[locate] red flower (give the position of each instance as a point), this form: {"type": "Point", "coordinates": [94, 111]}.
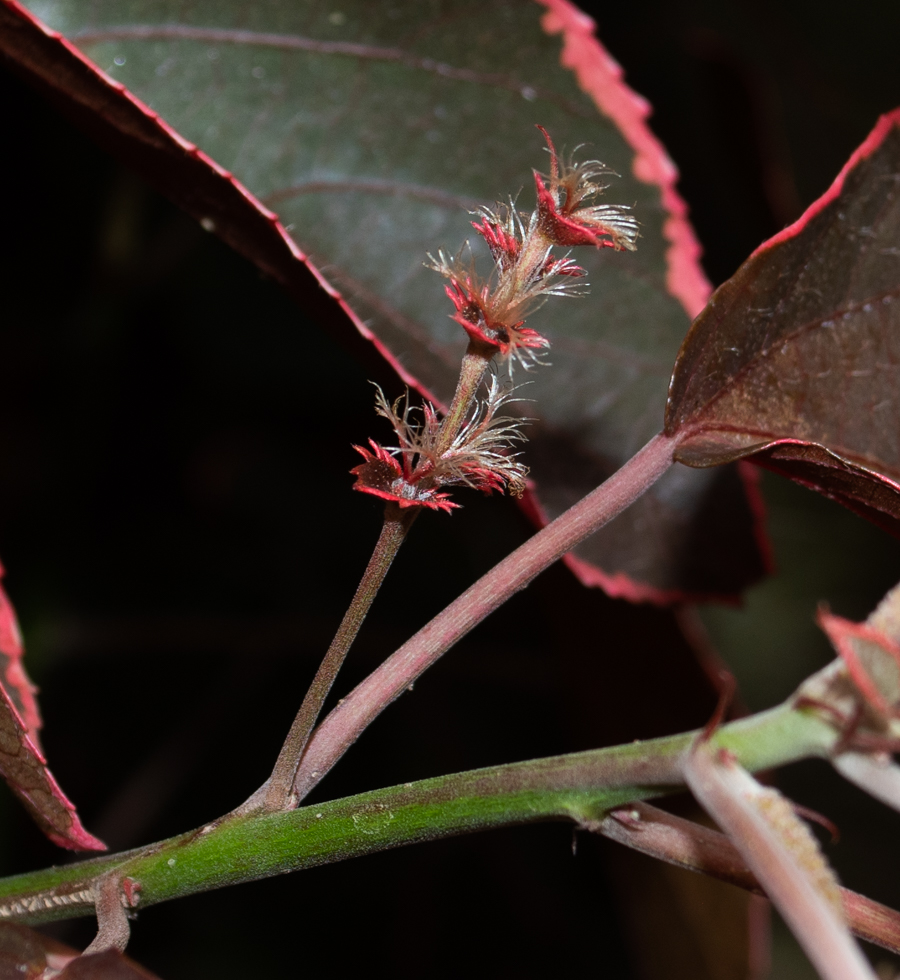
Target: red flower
{"type": "Point", "coordinates": [475, 314]}
{"type": "Point", "coordinates": [413, 473]}
{"type": "Point", "coordinates": [383, 476]}
{"type": "Point", "coordinates": [503, 235]}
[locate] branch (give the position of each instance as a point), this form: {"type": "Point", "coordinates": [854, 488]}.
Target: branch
{"type": "Point", "coordinates": [349, 719]}
{"type": "Point", "coordinates": [691, 846]}
{"type": "Point", "coordinates": [248, 846]}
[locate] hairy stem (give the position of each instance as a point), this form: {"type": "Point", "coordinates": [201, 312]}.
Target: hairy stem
{"type": "Point", "coordinates": [397, 521]}
{"type": "Point", "coordinates": [471, 373]}
{"type": "Point", "coordinates": [782, 856]}
{"type": "Point", "coordinates": [247, 846]}
{"type": "Point", "coordinates": [350, 718]}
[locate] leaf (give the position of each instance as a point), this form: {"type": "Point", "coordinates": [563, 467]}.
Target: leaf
{"type": "Point", "coordinates": [13, 679]}
{"type": "Point", "coordinates": [372, 131]}
{"type": "Point", "coordinates": [111, 965]}
{"type": "Point", "coordinates": [25, 954]}
{"type": "Point", "coordinates": [795, 362]}
{"type": "Point", "coordinates": [22, 763]}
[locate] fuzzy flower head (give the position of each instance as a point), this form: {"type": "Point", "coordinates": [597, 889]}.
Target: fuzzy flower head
{"type": "Point", "coordinates": [492, 317]}
{"type": "Point", "coordinates": [564, 217]}
{"type": "Point", "coordinates": [413, 472]}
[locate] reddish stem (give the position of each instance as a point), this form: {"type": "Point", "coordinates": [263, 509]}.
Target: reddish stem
{"type": "Point", "coordinates": [688, 845]}
{"type": "Point", "coordinates": [474, 366]}
{"type": "Point", "coordinates": [350, 718]}
{"type": "Point", "coordinates": [397, 522]}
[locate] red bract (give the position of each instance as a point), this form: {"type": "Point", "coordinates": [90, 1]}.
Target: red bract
{"type": "Point", "coordinates": [564, 222]}
{"type": "Point", "coordinates": [383, 476]}
{"type": "Point", "coordinates": [425, 459]}
{"type": "Point", "coordinates": [501, 237]}
{"type": "Point", "coordinates": [475, 314]}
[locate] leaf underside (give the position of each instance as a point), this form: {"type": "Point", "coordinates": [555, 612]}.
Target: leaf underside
{"type": "Point", "coordinates": [371, 132]}
{"type": "Point", "coordinates": [795, 363]}
{"type": "Point", "coordinates": [22, 763]}
{"type": "Point", "coordinates": [13, 679]}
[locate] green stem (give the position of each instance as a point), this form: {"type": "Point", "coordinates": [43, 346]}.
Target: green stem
{"type": "Point", "coordinates": [245, 847]}
{"type": "Point", "coordinates": [279, 788]}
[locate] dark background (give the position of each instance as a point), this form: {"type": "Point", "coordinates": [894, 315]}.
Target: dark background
{"type": "Point", "coordinates": [180, 539]}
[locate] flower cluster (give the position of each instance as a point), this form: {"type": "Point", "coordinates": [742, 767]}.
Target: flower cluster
{"type": "Point", "coordinates": [470, 446]}
{"type": "Point", "coordinates": [492, 311]}
{"type": "Point", "coordinates": [413, 472]}
{"type": "Point", "coordinates": [493, 317]}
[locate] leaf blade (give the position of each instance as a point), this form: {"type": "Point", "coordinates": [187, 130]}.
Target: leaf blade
{"type": "Point", "coordinates": [795, 361]}
{"type": "Point", "coordinates": [13, 679]}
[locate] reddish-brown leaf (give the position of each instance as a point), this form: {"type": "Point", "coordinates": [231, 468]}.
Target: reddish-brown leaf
{"type": "Point", "coordinates": [22, 763]}
{"type": "Point", "coordinates": [13, 679]}
{"type": "Point", "coordinates": [795, 362]}
{"type": "Point", "coordinates": [25, 769]}
{"type": "Point", "coordinates": [359, 126]}
{"type": "Point", "coordinates": [25, 954]}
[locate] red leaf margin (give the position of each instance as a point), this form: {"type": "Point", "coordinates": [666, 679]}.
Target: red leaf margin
{"type": "Point", "coordinates": [22, 764]}
{"type": "Point", "coordinates": [12, 672]}
{"type": "Point", "coordinates": [868, 146]}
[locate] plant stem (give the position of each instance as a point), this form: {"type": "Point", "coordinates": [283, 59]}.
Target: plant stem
{"type": "Point", "coordinates": [691, 846]}
{"type": "Point", "coordinates": [474, 366]}
{"type": "Point", "coordinates": [278, 793]}
{"type": "Point", "coordinates": [350, 718]}
{"type": "Point", "coordinates": [244, 847]}
{"type": "Point", "coordinates": [397, 521]}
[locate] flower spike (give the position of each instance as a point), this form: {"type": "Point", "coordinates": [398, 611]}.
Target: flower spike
{"type": "Point", "coordinates": [492, 311]}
